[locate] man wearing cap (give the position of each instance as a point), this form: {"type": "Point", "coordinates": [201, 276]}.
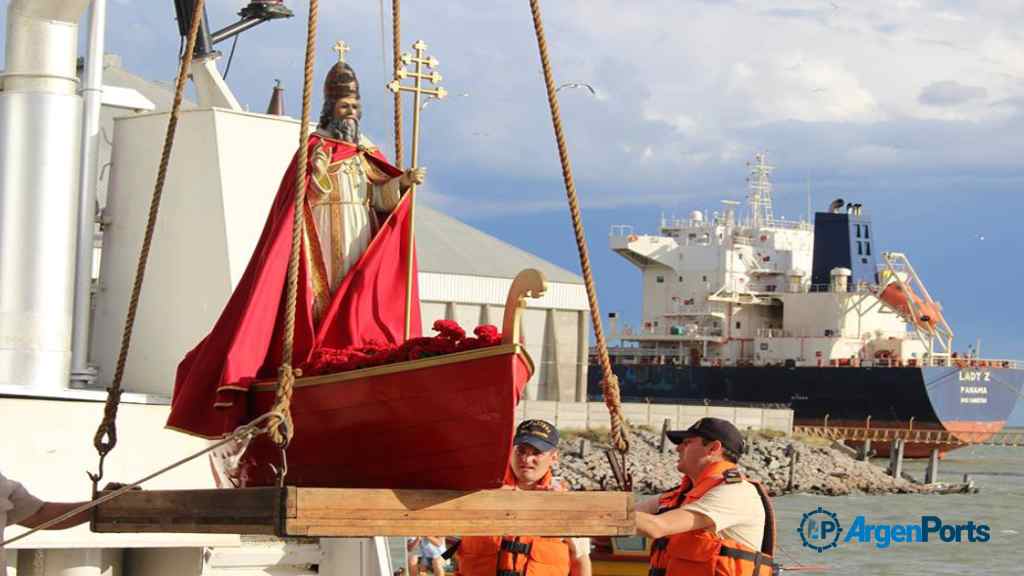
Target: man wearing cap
{"type": "Point", "coordinates": [535, 451]}
{"type": "Point", "coordinates": [716, 521]}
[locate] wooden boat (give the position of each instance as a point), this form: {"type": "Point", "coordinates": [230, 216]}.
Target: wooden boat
{"type": "Point", "coordinates": [444, 422]}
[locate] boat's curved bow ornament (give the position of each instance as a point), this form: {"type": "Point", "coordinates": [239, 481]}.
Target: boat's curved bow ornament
{"type": "Point", "coordinates": [530, 283]}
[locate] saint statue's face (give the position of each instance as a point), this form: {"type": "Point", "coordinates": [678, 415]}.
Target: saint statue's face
{"type": "Point", "coordinates": [347, 107]}
{"type": "Point", "coordinates": [345, 123]}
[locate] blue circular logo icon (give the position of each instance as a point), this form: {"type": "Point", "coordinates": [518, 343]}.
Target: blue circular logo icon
{"type": "Point", "coordinates": [820, 529]}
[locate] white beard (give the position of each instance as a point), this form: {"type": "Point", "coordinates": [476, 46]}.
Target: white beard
{"type": "Point", "coordinates": [346, 129]}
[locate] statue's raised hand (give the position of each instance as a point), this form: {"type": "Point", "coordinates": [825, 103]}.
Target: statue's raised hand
{"type": "Point", "coordinates": [413, 176]}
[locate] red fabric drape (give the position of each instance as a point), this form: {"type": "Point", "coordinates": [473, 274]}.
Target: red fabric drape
{"type": "Point", "coordinates": [245, 343]}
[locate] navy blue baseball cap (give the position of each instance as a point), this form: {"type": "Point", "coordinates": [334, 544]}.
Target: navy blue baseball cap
{"type": "Point", "coordinates": [540, 434]}
{"type": "Point", "coordinates": [711, 429]}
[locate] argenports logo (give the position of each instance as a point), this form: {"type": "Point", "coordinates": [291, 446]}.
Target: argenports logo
{"type": "Point", "coordinates": [821, 530]}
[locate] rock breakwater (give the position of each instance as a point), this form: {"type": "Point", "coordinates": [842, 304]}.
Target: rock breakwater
{"type": "Point", "coordinates": [819, 469]}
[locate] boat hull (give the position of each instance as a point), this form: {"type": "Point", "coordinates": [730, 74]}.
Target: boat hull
{"type": "Point", "coordinates": [971, 403]}
{"type": "Point", "coordinates": [444, 422]}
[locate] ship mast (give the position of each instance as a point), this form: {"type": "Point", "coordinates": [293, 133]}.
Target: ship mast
{"type": "Point", "coordinates": [760, 189]}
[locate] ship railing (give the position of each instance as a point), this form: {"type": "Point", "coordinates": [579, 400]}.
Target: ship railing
{"type": "Point", "coordinates": [860, 288]}
{"type": "Point", "coordinates": [787, 224]}
{"type": "Point", "coordinates": [968, 362]}
{"type": "Point", "coordinates": [774, 333]}
{"type": "Point", "coordinates": [621, 230]}
{"type": "Point", "coordinates": [912, 435]}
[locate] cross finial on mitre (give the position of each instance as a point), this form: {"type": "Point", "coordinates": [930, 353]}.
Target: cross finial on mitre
{"type": "Point", "coordinates": [341, 48]}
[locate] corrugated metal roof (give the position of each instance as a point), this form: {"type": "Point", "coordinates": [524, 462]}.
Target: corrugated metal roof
{"type": "Point", "coordinates": [446, 245]}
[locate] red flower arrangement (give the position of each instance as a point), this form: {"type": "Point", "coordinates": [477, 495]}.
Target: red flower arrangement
{"type": "Point", "coordinates": [450, 338]}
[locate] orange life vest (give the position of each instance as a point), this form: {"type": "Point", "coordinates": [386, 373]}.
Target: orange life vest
{"type": "Point", "coordinates": [515, 555]}
{"type": "Point", "coordinates": [703, 552]}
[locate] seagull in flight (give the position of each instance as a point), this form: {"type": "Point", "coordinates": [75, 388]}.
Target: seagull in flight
{"type": "Point", "coordinates": [578, 85]}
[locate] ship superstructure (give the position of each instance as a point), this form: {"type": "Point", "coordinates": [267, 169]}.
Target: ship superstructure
{"type": "Point", "coordinates": [732, 289]}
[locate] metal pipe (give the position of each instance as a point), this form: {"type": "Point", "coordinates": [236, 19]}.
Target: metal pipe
{"type": "Point", "coordinates": [42, 41]}
{"type": "Point", "coordinates": [233, 30]}
{"type": "Point", "coordinates": [92, 94]}
{"type": "Point", "coordinates": [40, 119]}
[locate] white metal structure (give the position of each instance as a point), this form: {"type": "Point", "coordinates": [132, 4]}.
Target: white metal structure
{"type": "Point", "coordinates": [725, 289]}
{"type": "Point", "coordinates": [40, 116]}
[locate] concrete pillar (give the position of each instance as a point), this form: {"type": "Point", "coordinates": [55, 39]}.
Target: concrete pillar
{"type": "Point", "coordinates": [931, 474]}
{"type": "Point", "coordinates": [582, 354]}
{"type": "Point", "coordinates": [547, 387]}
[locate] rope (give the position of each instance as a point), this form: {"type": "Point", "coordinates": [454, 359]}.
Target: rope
{"type": "Point", "coordinates": [281, 430]}
{"type": "Point", "coordinates": [396, 37]}
{"type": "Point", "coordinates": [609, 382]}
{"type": "Point", "coordinates": [251, 430]}
{"type": "Point", "coordinates": [106, 435]}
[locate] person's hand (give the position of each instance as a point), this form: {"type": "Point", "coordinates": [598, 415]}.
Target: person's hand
{"type": "Point", "coordinates": [413, 176]}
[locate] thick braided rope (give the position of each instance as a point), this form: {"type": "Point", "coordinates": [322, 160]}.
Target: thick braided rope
{"type": "Point", "coordinates": [108, 427]}
{"type": "Point", "coordinates": [396, 38]}
{"type": "Point", "coordinates": [609, 382]}
{"type": "Point", "coordinates": [286, 374]}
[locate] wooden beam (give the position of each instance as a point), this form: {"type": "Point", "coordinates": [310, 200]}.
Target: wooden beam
{"type": "Point", "coordinates": [352, 512]}
{"type": "Point", "coordinates": [241, 511]}
{"type": "Point", "coordinates": [369, 512]}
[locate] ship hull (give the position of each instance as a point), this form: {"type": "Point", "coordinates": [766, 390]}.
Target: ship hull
{"type": "Point", "coordinates": [970, 403]}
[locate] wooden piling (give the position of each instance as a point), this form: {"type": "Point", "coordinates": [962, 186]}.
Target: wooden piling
{"type": "Point", "coordinates": [896, 458]}
{"type": "Point", "coordinates": [794, 459]}
{"type": "Point", "coordinates": [931, 474]}
{"type": "Point", "coordinates": [584, 447]}
{"type": "Point", "coordinates": [664, 445]}
{"type": "Point", "coordinates": [865, 451]}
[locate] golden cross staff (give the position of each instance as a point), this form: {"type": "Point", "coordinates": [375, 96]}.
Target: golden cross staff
{"type": "Point", "coordinates": [419, 74]}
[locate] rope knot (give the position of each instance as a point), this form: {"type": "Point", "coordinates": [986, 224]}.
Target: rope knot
{"type": "Point", "coordinates": [280, 429]}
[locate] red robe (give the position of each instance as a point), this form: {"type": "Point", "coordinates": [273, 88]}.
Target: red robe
{"type": "Point", "coordinates": [245, 343]}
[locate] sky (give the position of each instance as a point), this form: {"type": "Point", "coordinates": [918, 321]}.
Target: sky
{"type": "Point", "coordinates": [913, 108]}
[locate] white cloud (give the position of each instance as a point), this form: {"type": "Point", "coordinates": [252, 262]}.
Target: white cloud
{"type": "Point", "coordinates": [683, 90]}
{"type": "Point", "coordinates": [950, 93]}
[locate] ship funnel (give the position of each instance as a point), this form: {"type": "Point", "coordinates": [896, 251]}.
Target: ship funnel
{"type": "Point", "coordinates": [841, 279]}
{"type": "Point", "coordinates": [40, 122]}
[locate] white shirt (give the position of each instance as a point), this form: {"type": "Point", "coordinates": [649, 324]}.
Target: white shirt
{"type": "Point", "coordinates": [736, 510]}
{"type": "Point", "coordinates": [16, 504]}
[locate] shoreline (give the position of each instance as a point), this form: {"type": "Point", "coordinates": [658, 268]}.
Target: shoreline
{"type": "Point", "coordinates": [820, 468]}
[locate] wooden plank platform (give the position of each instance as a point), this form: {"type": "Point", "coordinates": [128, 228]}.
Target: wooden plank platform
{"type": "Point", "coordinates": [327, 512]}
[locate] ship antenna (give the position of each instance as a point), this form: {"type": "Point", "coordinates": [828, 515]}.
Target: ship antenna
{"type": "Point", "coordinates": [809, 198]}
{"type": "Point", "coordinates": [760, 188]}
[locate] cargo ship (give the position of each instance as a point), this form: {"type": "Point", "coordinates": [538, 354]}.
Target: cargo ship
{"type": "Point", "coordinates": [743, 308]}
